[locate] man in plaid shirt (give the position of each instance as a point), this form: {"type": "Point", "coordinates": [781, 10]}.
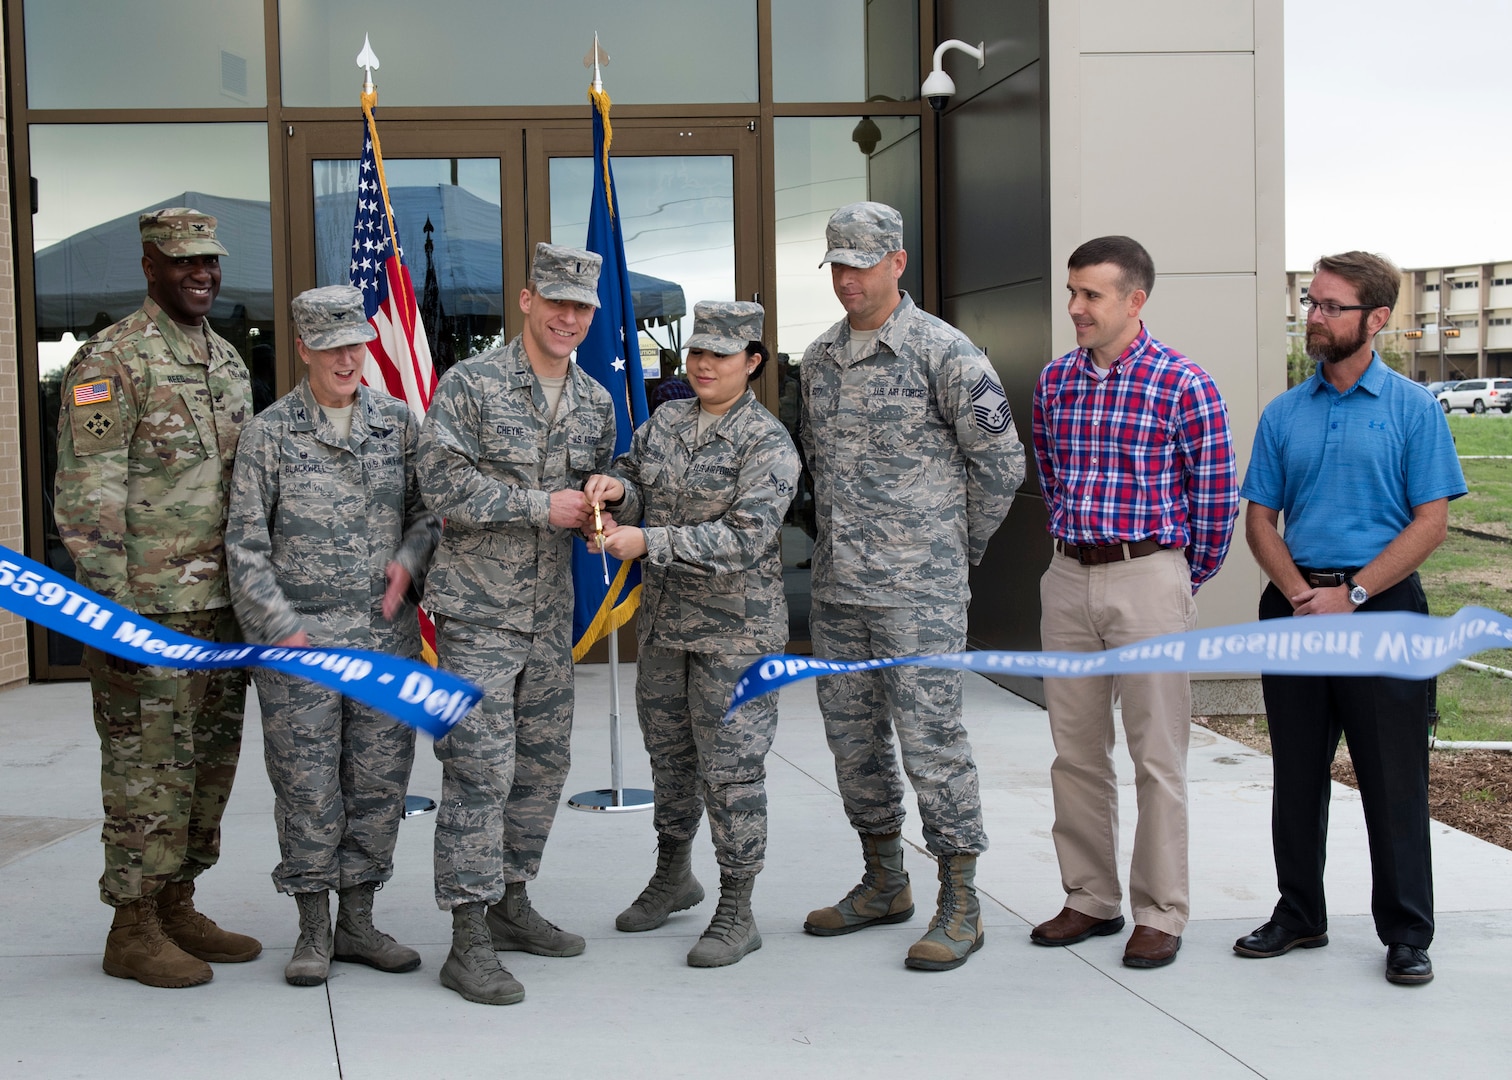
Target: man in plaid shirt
{"type": "Point", "coordinates": [1137, 469]}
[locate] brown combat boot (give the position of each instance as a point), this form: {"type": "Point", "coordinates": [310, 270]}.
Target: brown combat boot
{"type": "Point", "coordinates": [197, 934]}
{"type": "Point", "coordinates": [882, 897]}
{"type": "Point", "coordinates": [956, 930]}
{"type": "Point", "coordinates": [137, 948]}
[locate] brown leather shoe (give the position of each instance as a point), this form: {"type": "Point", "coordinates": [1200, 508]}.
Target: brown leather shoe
{"type": "Point", "coordinates": [1150, 948]}
{"type": "Point", "coordinates": [1072, 927]}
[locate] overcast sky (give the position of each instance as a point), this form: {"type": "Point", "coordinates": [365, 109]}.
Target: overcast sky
{"type": "Point", "coordinates": [1399, 130]}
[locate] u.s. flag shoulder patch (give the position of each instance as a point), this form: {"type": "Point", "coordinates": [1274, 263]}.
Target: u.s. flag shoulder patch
{"type": "Point", "coordinates": [990, 405]}
{"type": "Point", "coordinates": [92, 393]}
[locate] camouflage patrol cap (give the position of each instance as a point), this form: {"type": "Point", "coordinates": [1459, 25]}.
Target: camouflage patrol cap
{"type": "Point", "coordinates": [179, 231]}
{"type": "Point", "coordinates": [860, 233]}
{"type": "Point", "coordinates": [331, 316]}
{"type": "Point", "coordinates": [725, 327]}
{"type": "Point", "coordinates": [564, 273]}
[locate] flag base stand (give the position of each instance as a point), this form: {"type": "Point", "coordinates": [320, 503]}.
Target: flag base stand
{"type": "Point", "coordinates": [415, 805]}
{"type": "Point", "coordinates": [613, 801]}
{"type": "Point", "coordinates": [616, 798]}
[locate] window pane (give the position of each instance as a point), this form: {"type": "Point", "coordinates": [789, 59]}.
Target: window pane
{"type": "Point", "coordinates": [482, 52]}
{"type": "Point", "coordinates": [446, 211]}
{"type": "Point", "coordinates": [147, 54]}
{"type": "Point", "coordinates": [88, 255]}
{"type": "Point", "coordinates": [679, 227]}
{"type": "Point", "coordinates": [819, 169]}
{"type": "Point", "coordinates": [845, 50]}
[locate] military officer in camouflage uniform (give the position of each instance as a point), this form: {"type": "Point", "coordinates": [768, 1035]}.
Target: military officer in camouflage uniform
{"type": "Point", "coordinates": [915, 462]}
{"type": "Point", "coordinates": [152, 409]}
{"type": "Point", "coordinates": [510, 439]}
{"type": "Point", "coordinates": [713, 478]}
{"type": "Point", "coordinates": [329, 541]}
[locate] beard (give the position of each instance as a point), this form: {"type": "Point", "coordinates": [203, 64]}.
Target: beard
{"type": "Point", "coordinates": [1325, 347]}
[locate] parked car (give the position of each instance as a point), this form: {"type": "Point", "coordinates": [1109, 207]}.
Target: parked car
{"type": "Point", "coordinates": [1437, 388]}
{"type": "Point", "coordinates": [1478, 395]}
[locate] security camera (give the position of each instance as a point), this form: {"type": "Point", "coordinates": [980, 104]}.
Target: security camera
{"type": "Point", "coordinates": [939, 88]}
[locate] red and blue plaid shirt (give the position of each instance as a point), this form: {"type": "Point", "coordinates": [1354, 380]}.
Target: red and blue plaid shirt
{"type": "Point", "coordinates": [1145, 452]}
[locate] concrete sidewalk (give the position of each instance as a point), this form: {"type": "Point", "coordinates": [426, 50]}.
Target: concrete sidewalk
{"type": "Point", "coordinates": [801, 1006]}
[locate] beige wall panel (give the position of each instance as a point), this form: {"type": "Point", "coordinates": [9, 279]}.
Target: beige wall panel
{"type": "Point", "coordinates": [1167, 26]}
{"type": "Point", "coordinates": [1211, 319]}
{"type": "Point", "coordinates": [1168, 152]}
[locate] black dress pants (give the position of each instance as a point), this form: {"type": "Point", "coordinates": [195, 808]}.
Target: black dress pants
{"type": "Point", "coordinates": [1385, 724]}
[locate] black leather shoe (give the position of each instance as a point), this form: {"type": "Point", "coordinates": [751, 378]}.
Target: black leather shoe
{"type": "Point", "coordinates": [1273, 939]}
{"type": "Point", "coordinates": [1407, 965]}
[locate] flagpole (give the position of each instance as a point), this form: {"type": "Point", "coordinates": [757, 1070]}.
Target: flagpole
{"type": "Point", "coordinates": [616, 798]}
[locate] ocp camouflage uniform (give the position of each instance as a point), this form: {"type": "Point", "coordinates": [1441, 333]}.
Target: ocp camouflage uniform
{"type": "Point", "coordinates": [501, 589]}
{"type": "Point", "coordinates": [711, 603]}
{"type": "Point", "coordinates": [315, 520]}
{"type": "Point", "coordinates": [915, 463]}
{"type": "Point", "coordinates": [146, 439]}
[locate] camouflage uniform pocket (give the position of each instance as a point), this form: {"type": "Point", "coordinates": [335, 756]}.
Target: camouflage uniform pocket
{"type": "Point", "coordinates": [169, 427]}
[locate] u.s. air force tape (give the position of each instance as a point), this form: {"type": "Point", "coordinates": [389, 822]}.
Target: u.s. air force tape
{"type": "Point", "coordinates": [412, 693]}
{"type": "Point", "coordinates": [1401, 644]}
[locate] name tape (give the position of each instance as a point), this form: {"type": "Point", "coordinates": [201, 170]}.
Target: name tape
{"type": "Point", "coordinates": [414, 694]}
{"type": "Point", "coordinates": [1402, 644]}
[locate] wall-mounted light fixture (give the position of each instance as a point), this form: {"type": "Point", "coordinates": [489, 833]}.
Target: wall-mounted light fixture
{"type": "Point", "coordinates": [939, 88]}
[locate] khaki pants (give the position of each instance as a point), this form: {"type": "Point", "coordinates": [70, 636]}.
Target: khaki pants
{"type": "Point", "coordinates": [1087, 609]}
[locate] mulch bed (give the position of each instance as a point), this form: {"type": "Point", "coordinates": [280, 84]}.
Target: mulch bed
{"type": "Point", "coordinates": [1470, 790]}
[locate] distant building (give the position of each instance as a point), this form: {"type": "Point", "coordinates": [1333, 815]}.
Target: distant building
{"type": "Point", "coordinates": [1451, 322]}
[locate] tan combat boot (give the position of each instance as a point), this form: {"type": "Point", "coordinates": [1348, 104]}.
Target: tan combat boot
{"type": "Point", "coordinates": [956, 930]}
{"type": "Point", "coordinates": [358, 941]}
{"type": "Point", "coordinates": [882, 897]}
{"type": "Point", "coordinates": [472, 967]}
{"type": "Point", "coordinates": [672, 888]}
{"type": "Point", "coordinates": [196, 933]}
{"type": "Point", "coordinates": [311, 962]}
{"type": "Point", "coordinates": [732, 933]}
{"type": "Point", "coordinates": [518, 927]}
{"type": "Point", "coordinates": [137, 948]}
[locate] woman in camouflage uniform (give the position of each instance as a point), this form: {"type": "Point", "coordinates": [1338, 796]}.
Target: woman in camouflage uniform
{"type": "Point", "coordinates": [328, 543]}
{"type": "Point", "coordinates": [713, 478]}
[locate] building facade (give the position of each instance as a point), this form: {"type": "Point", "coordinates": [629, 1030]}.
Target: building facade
{"type": "Point", "coordinates": [738, 126]}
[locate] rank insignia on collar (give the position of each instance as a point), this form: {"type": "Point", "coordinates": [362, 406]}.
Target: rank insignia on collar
{"type": "Point", "coordinates": [92, 393]}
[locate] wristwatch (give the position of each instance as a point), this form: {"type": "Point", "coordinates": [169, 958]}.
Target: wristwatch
{"type": "Point", "coordinates": [1357, 593]}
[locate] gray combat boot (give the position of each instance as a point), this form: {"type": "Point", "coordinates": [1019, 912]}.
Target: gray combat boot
{"type": "Point", "coordinates": [732, 932]}
{"type": "Point", "coordinates": [472, 967]}
{"type": "Point", "coordinates": [311, 962]}
{"type": "Point", "coordinates": [358, 941]}
{"type": "Point", "coordinates": [956, 930]}
{"type": "Point", "coordinates": [671, 888]}
{"type": "Point", "coordinates": [883, 895]}
{"type": "Point", "coordinates": [518, 927]}
{"type": "Point", "coordinates": [137, 948]}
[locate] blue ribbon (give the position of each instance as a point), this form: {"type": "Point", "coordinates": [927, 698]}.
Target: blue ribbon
{"type": "Point", "coordinates": [414, 694]}
{"type": "Point", "coordinates": [1401, 644]}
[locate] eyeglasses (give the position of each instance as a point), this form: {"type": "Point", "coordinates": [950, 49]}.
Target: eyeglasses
{"type": "Point", "coordinates": [1329, 310]}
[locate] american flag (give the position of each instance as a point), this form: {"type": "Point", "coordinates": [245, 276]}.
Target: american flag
{"type": "Point", "coordinates": [399, 359]}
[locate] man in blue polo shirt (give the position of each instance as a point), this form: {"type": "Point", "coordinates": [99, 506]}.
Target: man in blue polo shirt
{"type": "Point", "coordinates": [1360, 462]}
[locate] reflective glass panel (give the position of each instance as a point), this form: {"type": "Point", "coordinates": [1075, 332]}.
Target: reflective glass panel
{"type": "Point", "coordinates": [679, 227]}
{"type": "Point", "coordinates": [88, 253]}
{"type": "Point", "coordinates": [146, 54]}
{"type": "Point", "coordinates": [446, 211]}
{"type": "Point", "coordinates": [845, 50]}
{"type": "Point", "coordinates": [482, 52]}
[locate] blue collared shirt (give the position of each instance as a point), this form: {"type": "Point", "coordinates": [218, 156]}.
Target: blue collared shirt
{"type": "Point", "coordinates": [1346, 469]}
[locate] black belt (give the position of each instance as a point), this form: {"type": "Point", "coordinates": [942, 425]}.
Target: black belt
{"type": "Point", "coordinates": [1100, 554]}
{"type": "Point", "coordinates": [1327, 579]}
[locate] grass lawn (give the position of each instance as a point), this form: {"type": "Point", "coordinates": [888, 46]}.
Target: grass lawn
{"type": "Point", "coordinates": [1476, 569]}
